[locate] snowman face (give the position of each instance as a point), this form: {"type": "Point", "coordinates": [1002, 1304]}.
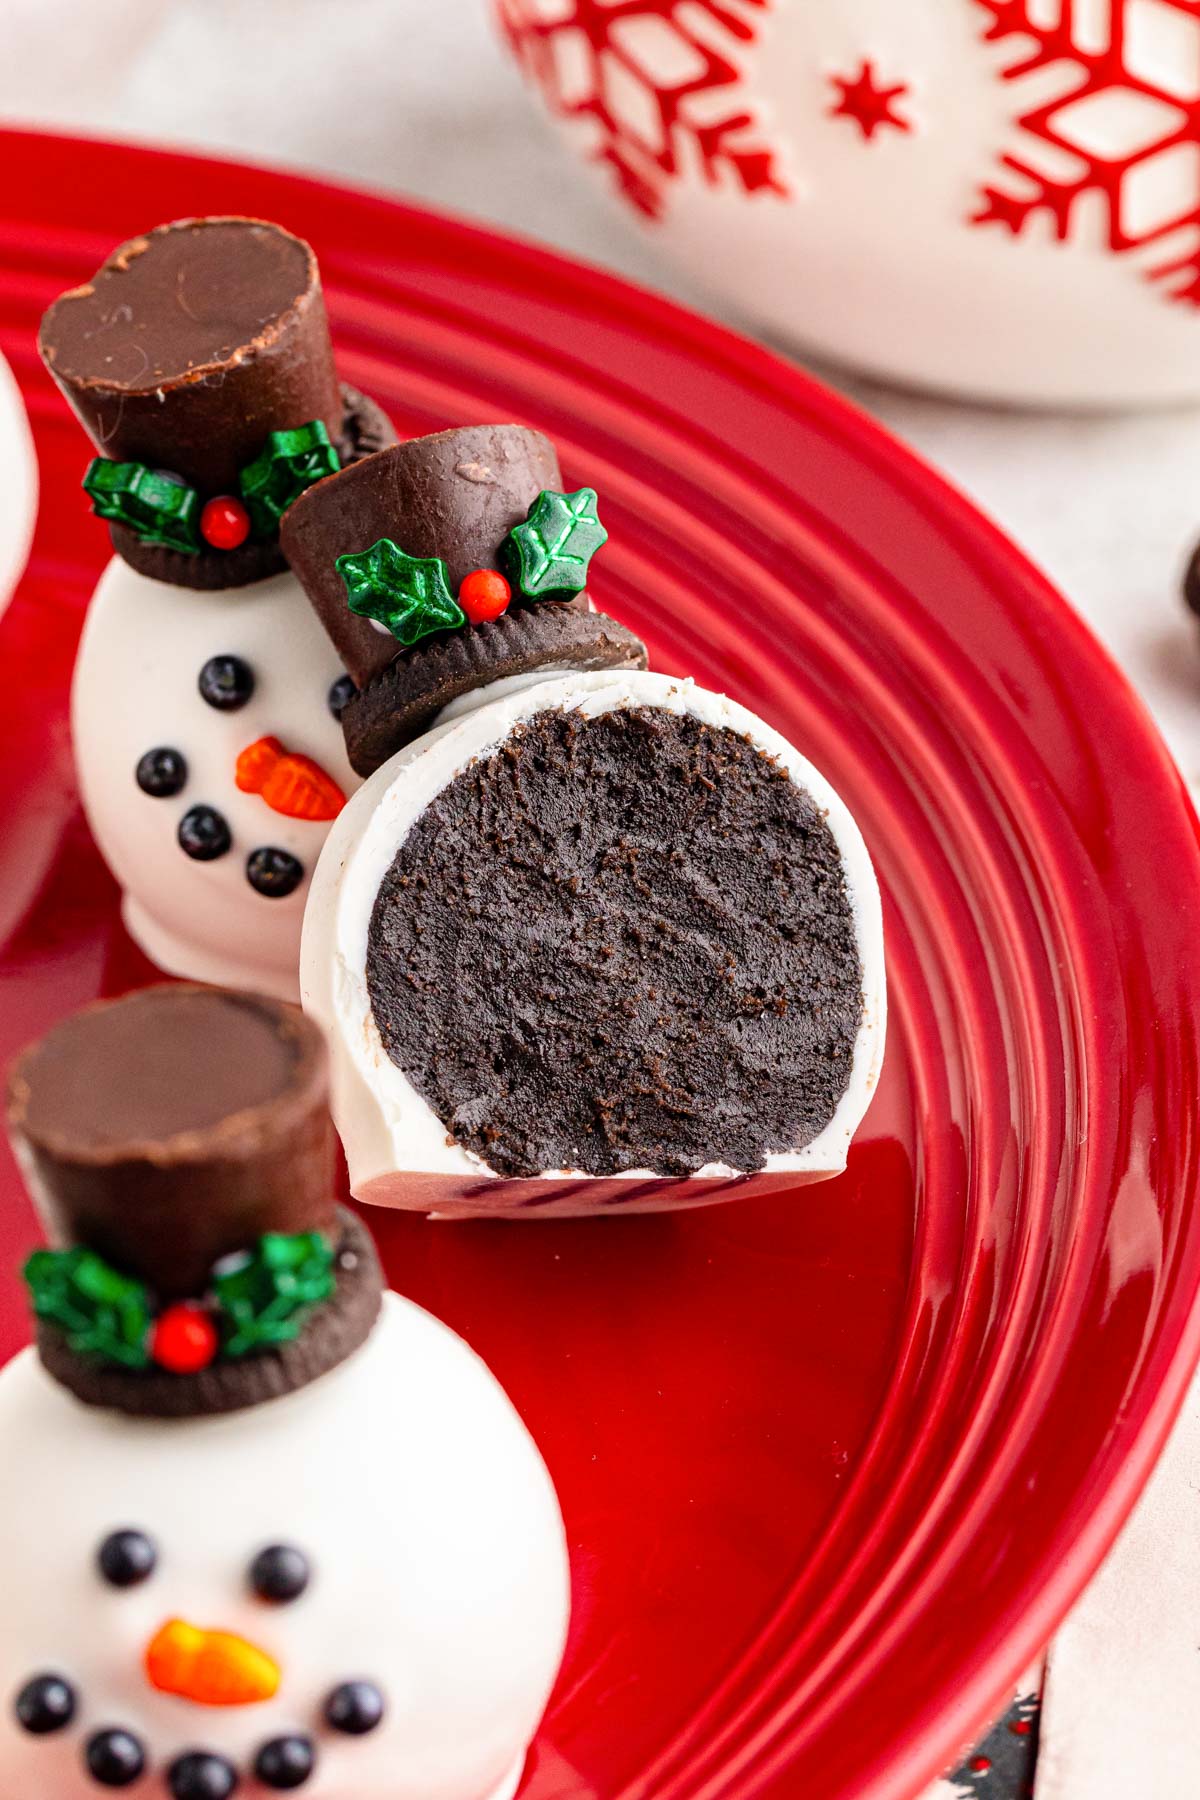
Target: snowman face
{"type": "Point", "coordinates": [210, 1668]}
{"type": "Point", "coordinates": [211, 764]}
{"type": "Point", "coordinates": [359, 1591]}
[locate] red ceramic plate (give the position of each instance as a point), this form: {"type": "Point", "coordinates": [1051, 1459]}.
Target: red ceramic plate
{"type": "Point", "coordinates": [833, 1465]}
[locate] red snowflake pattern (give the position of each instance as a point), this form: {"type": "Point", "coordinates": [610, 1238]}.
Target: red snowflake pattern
{"type": "Point", "coordinates": [658, 80]}
{"type": "Point", "coordinates": [869, 105]}
{"type": "Point", "coordinates": [1110, 124]}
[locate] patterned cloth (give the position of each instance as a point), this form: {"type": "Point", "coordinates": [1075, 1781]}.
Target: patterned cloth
{"type": "Point", "coordinates": [1002, 1766]}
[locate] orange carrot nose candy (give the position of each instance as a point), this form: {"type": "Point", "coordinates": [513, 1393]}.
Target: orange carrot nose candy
{"type": "Point", "coordinates": [300, 788]}
{"type": "Point", "coordinates": [293, 785]}
{"type": "Point", "coordinates": [255, 762]}
{"type": "Point", "coordinates": [210, 1668]}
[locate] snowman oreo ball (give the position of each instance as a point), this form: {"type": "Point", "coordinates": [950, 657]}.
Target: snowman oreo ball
{"type": "Point", "coordinates": [18, 484]}
{"type": "Point", "coordinates": [588, 937]}
{"type": "Point", "coordinates": [205, 702]}
{"type": "Point", "coordinates": [273, 1529]}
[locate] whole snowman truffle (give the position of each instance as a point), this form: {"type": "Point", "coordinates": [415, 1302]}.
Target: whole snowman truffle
{"type": "Point", "coordinates": [588, 937]}
{"type": "Point", "coordinates": [205, 702]}
{"type": "Point", "coordinates": [268, 1527]}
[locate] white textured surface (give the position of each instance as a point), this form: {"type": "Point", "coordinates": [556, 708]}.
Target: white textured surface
{"type": "Point", "coordinates": [415, 95]}
{"type": "Point", "coordinates": [454, 1606]}
{"type": "Point", "coordinates": [1124, 1673]}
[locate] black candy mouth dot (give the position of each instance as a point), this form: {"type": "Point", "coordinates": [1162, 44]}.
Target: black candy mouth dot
{"type": "Point", "coordinates": [355, 1708]}
{"type": "Point", "coordinates": [201, 1775]}
{"type": "Point", "coordinates": [114, 1757]}
{"type": "Point", "coordinates": [286, 1762]}
{"type": "Point", "coordinates": [162, 772]}
{"type": "Point", "coordinates": [203, 834]}
{"type": "Point", "coordinates": [46, 1704]}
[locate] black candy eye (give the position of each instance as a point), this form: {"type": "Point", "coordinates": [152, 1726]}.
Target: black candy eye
{"type": "Point", "coordinates": [201, 1776]}
{"type": "Point", "coordinates": [126, 1558]}
{"type": "Point", "coordinates": [162, 773]}
{"type": "Point", "coordinates": [115, 1758]}
{"type": "Point", "coordinates": [280, 1573]}
{"type": "Point", "coordinates": [356, 1707]}
{"type": "Point", "coordinates": [286, 1762]}
{"type": "Point", "coordinates": [226, 682]}
{"type": "Point", "coordinates": [341, 693]}
{"type": "Point", "coordinates": [273, 873]}
{"type": "Point", "coordinates": [46, 1703]}
{"type": "Point", "coordinates": [204, 834]}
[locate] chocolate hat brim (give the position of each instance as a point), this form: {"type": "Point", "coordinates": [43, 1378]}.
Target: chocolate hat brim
{"type": "Point", "coordinates": [403, 701]}
{"type": "Point", "coordinates": [366, 428]}
{"type": "Point", "coordinates": [331, 1333]}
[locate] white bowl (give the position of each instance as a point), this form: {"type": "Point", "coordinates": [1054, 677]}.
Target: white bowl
{"type": "Point", "coordinates": [1010, 222]}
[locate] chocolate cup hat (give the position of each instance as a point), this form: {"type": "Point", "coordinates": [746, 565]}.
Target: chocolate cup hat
{"type": "Point", "coordinates": [449, 502]}
{"type": "Point", "coordinates": [182, 356]}
{"type": "Point", "coordinates": [166, 1132]}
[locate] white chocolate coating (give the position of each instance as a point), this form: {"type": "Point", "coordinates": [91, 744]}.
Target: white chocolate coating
{"type": "Point", "coordinates": [439, 1570]}
{"type": "Point", "coordinates": [135, 689]}
{"type": "Point", "coordinates": [18, 485]}
{"type": "Point", "coordinates": [398, 1150]}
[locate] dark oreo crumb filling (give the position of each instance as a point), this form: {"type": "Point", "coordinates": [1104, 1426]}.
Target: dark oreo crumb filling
{"type": "Point", "coordinates": [620, 943]}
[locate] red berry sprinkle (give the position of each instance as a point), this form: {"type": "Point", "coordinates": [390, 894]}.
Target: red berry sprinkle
{"type": "Point", "coordinates": [980, 1764]}
{"type": "Point", "coordinates": [1020, 1728]}
{"type": "Point", "coordinates": [484, 594]}
{"type": "Point", "coordinates": [224, 523]}
{"type": "Point", "coordinates": [184, 1339]}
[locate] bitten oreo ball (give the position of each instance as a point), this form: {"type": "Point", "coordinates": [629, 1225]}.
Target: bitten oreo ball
{"type": "Point", "coordinates": [608, 942]}
{"type": "Point", "coordinates": [620, 943]}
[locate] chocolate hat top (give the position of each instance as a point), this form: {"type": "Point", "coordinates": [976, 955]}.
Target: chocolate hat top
{"type": "Point", "coordinates": [179, 1146]}
{"type": "Point", "coordinates": [198, 361]}
{"type": "Point", "coordinates": [445, 563]}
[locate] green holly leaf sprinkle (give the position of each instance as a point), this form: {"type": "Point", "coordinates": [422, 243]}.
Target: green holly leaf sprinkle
{"type": "Point", "coordinates": [409, 595]}
{"type": "Point", "coordinates": [159, 507]}
{"type": "Point", "coordinates": [289, 462]}
{"type": "Point", "coordinates": [548, 555]}
{"type": "Point", "coordinates": [265, 1293]}
{"type": "Point", "coordinates": [100, 1312]}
